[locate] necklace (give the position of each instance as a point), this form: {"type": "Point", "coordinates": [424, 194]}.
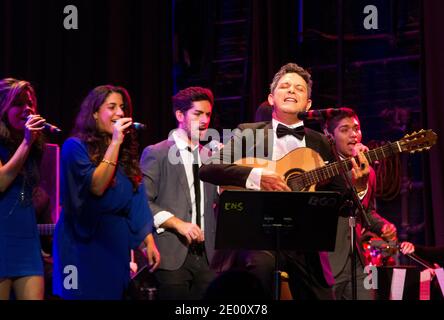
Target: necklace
{"type": "Point", "coordinates": [24, 198]}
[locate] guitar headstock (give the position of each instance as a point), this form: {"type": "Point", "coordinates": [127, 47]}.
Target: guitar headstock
{"type": "Point", "coordinates": [418, 141]}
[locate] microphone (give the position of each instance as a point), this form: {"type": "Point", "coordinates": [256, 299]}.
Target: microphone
{"type": "Point", "coordinates": [215, 146]}
{"type": "Point", "coordinates": [135, 125]}
{"type": "Point", "coordinates": [321, 114]}
{"type": "Point", "coordinates": [138, 126]}
{"type": "Point", "coordinates": [49, 127]}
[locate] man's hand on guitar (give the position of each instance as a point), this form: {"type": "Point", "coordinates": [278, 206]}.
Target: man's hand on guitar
{"type": "Point", "coordinates": [360, 172]}
{"type": "Point", "coordinates": [359, 147]}
{"type": "Point", "coordinates": [388, 232]}
{"type": "Point", "coordinates": [272, 181]}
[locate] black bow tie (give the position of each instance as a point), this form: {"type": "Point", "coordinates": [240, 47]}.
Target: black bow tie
{"type": "Point", "coordinates": [282, 131]}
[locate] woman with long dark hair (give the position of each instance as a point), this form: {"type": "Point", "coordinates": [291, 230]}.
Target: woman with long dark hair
{"type": "Point", "coordinates": [21, 266]}
{"type": "Point", "coordinates": [105, 210]}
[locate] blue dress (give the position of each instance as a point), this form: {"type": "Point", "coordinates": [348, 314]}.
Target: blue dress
{"type": "Point", "coordinates": [94, 235]}
{"type": "Point", "coordinates": [20, 253]}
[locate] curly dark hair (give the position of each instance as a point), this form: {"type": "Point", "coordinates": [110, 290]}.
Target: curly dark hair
{"type": "Point", "coordinates": [344, 112]}
{"type": "Point", "coordinates": [10, 89]}
{"type": "Point", "coordinates": [183, 100]}
{"type": "Point", "coordinates": [85, 129]}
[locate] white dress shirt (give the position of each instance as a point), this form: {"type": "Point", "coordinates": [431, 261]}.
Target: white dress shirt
{"type": "Point", "coordinates": [281, 147]}
{"type": "Point", "coordinates": [187, 160]}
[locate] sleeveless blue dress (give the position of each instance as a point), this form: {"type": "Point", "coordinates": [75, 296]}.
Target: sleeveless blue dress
{"type": "Point", "coordinates": [94, 235]}
{"type": "Point", "coordinates": [20, 253]}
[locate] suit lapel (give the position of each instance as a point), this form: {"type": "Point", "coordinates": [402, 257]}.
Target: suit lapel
{"type": "Point", "coordinates": [265, 144]}
{"type": "Point", "coordinates": [208, 193]}
{"type": "Point", "coordinates": [310, 142]}
{"type": "Point", "coordinates": [180, 173]}
{"type": "Point", "coordinates": [183, 181]}
{"type": "Point", "coordinates": [269, 140]}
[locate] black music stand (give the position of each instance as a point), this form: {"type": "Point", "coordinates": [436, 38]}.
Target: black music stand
{"type": "Point", "coordinates": [264, 220]}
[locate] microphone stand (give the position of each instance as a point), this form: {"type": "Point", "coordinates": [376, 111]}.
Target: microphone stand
{"type": "Point", "coordinates": [354, 203]}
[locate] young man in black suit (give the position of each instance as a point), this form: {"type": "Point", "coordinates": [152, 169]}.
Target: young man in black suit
{"type": "Point", "coordinates": [345, 129]}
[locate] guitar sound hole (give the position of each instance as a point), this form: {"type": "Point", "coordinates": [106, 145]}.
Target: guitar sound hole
{"type": "Point", "coordinates": [292, 177]}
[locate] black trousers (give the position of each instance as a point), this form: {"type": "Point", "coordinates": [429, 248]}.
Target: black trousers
{"type": "Point", "coordinates": [304, 282]}
{"type": "Point", "coordinates": [343, 283]}
{"type": "Point", "coordinates": [189, 282]}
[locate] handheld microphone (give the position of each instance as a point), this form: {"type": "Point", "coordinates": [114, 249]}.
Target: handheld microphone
{"type": "Point", "coordinates": [321, 114]}
{"type": "Point", "coordinates": [215, 146]}
{"type": "Point", "coordinates": [138, 126]}
{"type": "Point", "coordinates": [50, 127]}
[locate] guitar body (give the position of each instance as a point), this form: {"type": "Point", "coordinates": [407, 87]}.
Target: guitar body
{"type": "Point", "coordinates": [294, 163]}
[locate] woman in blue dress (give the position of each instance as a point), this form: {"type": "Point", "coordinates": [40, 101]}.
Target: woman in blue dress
{"type": "Point", "coordinates": [21, 266]}
{"type": "Point", "coordinates": [105, 211]}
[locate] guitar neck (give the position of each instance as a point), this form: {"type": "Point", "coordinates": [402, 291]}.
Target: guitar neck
{"type": "Point", "coordinates": [334, 169]}
{"type": "Point", "coordinates": [46, 229]}
{"type": "Point", "coordinates": [379, 153]}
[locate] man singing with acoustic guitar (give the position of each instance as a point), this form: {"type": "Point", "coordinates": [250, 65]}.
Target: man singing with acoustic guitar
{"type": "Point", "coordinates": [310, 275]}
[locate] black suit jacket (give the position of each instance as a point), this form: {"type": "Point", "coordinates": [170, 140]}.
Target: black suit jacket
{"type": "Point", "coordinates": [338, 258]}
{"type": "Point", "coordinates": [246, 142]}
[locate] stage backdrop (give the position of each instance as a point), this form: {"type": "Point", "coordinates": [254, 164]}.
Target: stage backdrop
{"type": "Point", "coordinates": [433, 87]}
{"type": "Point", "coordinates": [118, 42]}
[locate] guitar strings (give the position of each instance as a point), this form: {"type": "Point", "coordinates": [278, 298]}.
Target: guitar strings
{"type": "Point", "coordinates": [300, 181]}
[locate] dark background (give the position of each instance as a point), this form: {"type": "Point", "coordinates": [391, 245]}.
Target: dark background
{"type": "Point", "coordinates": [392, 76]}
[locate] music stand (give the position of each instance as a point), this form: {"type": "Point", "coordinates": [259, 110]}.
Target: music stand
{"type": "Point", "coordinates": [272, 220]}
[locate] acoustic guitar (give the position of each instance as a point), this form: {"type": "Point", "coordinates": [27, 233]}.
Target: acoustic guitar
{"type": "Point", "coordinates": [303, 168]}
